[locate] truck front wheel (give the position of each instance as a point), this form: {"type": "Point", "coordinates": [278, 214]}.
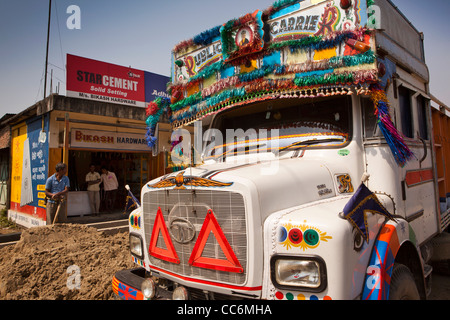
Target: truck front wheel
{"type": "Point", "coordinates": [403, 286]}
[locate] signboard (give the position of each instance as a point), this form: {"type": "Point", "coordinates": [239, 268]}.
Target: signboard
{"type": "Point", "coordinates": [101, 81]}
{"type": "Point", "coordinates": [30, 167]}
{"type": "Point", "coordinates": [196, 60]}
{"type": "Point", "coordinates": [155, 86]}
{"type": "Point", "coordinates": [318, 20]}
{"type": "Point", "coordinates": [91, 139]}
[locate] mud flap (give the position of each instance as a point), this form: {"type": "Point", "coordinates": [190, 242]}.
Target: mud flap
{"type": "Point", "coordinates": [378, 274]}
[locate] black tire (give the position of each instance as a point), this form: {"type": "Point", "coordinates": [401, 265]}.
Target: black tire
{"type": "Point", "coordinates": [403, 286]}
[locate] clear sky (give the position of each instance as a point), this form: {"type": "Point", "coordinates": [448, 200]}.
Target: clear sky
{"type": "Point", "coordinates": [142, 33]}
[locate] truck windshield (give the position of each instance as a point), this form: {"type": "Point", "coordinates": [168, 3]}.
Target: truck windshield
{"type": "Point", "coordinates": [279, 125]}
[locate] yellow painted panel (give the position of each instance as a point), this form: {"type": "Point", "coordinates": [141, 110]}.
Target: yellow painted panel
{"type": "Point", "coordinates": [325, 54]}
{"type": "Point", "coordinates": [18, 139]}
{"type": "Point", "coordinates": [209, 81]}
{"type": "Point", "coordinates": [252, 67]}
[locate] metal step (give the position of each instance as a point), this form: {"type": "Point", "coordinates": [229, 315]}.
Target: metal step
{"type": "Point", "coordinates": [445, 219]}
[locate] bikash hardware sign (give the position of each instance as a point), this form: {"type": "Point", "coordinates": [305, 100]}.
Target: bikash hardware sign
{"type": "Point", "coordinates": [96, 80]}
{"type": "Point", "coordinates": [106, 140]}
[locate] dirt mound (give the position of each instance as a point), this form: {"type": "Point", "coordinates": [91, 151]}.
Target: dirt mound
{"type": "Point", "coordinates": [63, 261]}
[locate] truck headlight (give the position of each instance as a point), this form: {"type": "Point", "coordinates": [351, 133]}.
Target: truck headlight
{"type": "Point", "coordinates": [136, 246]}
{"type": "Point", "coordinates": [148, 288]}
{"type": "Point", "coordinates": [180, 293]}
{"type": "Point", "coordinates": [299, 273]}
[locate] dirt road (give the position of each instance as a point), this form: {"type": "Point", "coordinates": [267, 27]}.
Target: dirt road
{"type": "Point", "coordinates": [62, 262]}
{"type": "Point", "coordinates": [76, 262]}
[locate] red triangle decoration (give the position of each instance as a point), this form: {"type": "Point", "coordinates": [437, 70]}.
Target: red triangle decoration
{"type": "Point", "coordinates": [168, 254]}
{"type": "Point", "coordinates": [231, 264]}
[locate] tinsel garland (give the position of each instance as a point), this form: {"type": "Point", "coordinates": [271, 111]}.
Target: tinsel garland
{"type": "Point", "coordinates": [253, 82]}
{"type": "Point", "coordinates": [207, 36]}
{"type": "Point", "coordinates": [220, 85]}
{"type": "Point", "coordinates": [310, 42]}
{"type": "Point", "coordinates": [202, 39]}
{"type": "Point", "coordinates": [320, 42]}
{"type": "Point", "coordinates": [256, 74]}
{"type": "Point", "coordinates": [307, 86]}
{"type": "Point", "coordinates": [399, 149]}
{"type": "Point", "coordinates": [195, 98]}
{"type": "Point", "coordinates": [205, 73]}
{"type": "Point", "coordinates": [281, 3]}
{"type": "Point", "coordinates": [155, 110]}
{"type": "Point", "coordinates": [183, 45]}
{"type": "Point", "coordinates": [208, 71]}
{"type": "Point", "coordinates": [277, 5]}
{"type": "Point", "coordinates": [325, 77]}
{"type": "Point", "coordinates": [334, 62]}
{"type": "Point", "coordinates": [246, 90]}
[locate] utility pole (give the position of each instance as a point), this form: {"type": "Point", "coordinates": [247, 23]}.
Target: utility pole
{"type": "Point", "coordinates": [46, 54]}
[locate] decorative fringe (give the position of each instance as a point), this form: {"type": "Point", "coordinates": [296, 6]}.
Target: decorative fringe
{"type": "Point", "coordinates": [206, 37]}
{"type": "Point", "coordinates": [277, 5]}
{"type": "Point", "coordinates": [154, 111]}
{"type": "Point", "coordinates": [281, 3]}
{"type": "Point", "coordinates": [244, 85]}
{"type": "Point", "coordinates": [320, 42]}
{"type": "Point", "coordinates": [332, 63]}
{"type": "Point", "coordinates": [303, 86]}
{"type": "Point", "coordinates": [400, 150]}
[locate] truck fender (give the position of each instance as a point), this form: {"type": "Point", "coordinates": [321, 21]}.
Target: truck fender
{"type": "Point", "coordinates": [393, 236]}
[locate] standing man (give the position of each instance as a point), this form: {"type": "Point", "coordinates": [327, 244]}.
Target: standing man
{"type": "Point", "coordinates": [110, 186]}
{"type": "Point", "coordinates": [56, 189]}
{"type": "Point", "coordinates": [93, 180]}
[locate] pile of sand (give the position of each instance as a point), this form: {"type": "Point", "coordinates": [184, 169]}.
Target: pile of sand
{"type": "Point", "coordinates": [63, 261]}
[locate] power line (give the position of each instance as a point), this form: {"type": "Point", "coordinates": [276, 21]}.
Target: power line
{"type": "Point", "coordinates": [60, 41]}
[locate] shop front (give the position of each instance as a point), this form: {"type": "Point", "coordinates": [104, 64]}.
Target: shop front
{"type": "Point", "coordinates": [101, 121]}
{"type": "Point", "coordinates": [78, 132]}
{"type": "Point", "coordinates": [125, 154]}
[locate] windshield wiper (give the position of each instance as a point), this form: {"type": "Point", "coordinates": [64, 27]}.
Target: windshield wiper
{"type": "Point", "coordinates": [305, 143]}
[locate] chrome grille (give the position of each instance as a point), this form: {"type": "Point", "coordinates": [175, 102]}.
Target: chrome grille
{"type": "Point", "coordinates": [192, 206]}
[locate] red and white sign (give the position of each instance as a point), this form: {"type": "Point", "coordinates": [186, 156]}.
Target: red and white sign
{"type": "Point", "coordinates": [92, 139]}
{"type": "Point", "coordinates": [101, 81]}
{"type": "Point", "coordinates": [210, 225]}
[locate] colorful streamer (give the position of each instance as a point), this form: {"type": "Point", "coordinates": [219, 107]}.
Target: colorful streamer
{"type": "Point", "coordinates": [400, 150]}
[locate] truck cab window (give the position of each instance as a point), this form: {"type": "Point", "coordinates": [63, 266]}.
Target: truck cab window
{"type": "Point", "coordinates": [404, 96]}
{"type": "Point", "coordinates": [422, 117]}
{"type": "Point", "coordinates": [327, 121]}
{"type": "Point", "coordinates": [371, 129]}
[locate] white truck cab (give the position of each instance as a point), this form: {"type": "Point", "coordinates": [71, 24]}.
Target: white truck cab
{"type": "Point", "coordinates": [311, 173]}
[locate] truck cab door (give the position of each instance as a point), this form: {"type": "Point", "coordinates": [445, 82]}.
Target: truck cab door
{"type": "Point", "coordinates": [418, 175]}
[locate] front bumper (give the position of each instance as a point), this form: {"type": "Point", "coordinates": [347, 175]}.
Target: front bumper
{"type": "Point", "coordinates": [126, 284]}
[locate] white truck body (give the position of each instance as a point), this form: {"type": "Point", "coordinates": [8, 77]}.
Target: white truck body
{"type": "Point", "coordinates": [263, 218]}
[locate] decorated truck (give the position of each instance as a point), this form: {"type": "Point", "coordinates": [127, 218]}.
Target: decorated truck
{"type": "Point", "coordinates": [306, 162]}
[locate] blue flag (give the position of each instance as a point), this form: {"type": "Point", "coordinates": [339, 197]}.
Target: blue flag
{"type": "Point", "coordinates": [362, 202]}
{"type": "Point", "coordinates": [131, 201]}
